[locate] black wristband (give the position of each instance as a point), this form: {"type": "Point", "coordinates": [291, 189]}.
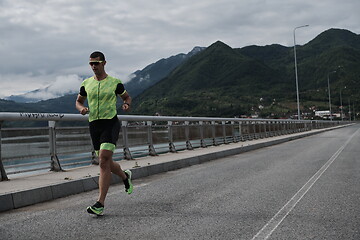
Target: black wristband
{"type": "Point", "coordinates": [126, 104]}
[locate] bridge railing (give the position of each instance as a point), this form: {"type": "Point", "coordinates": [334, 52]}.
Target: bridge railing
{"type": "Point", "coordinates": [57, 148]}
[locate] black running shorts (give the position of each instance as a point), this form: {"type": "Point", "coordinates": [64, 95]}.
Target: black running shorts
{"type": "Point", "coordinates": [104, 133]}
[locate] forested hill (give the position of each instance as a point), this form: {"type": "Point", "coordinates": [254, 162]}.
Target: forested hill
{"type": "Point", "coordinates": [222, 81]}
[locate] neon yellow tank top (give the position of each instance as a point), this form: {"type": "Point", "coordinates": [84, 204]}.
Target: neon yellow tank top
{"type": "Point", "coordinates": [102, 96]}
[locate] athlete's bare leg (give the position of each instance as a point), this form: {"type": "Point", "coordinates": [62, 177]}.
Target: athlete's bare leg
{"type": "Point", "coordinates": [116, 169]}
{"type": "Point", "coordinates": [107, 166]}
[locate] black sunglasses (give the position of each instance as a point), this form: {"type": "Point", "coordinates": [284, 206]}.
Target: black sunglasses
{"type": "Point", "coordinates": [95, 63]}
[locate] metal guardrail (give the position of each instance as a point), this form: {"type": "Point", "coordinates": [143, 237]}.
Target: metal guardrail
{"type": "Point", "coordinates": [140, 135]}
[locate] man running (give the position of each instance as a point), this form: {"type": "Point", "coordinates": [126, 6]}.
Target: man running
{"type": "Point", "coordinates": [101, 92]}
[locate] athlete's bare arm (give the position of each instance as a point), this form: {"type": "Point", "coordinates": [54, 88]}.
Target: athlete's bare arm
{"type": "Point", "coordinates": [127, 101]}
{"type": "Point", "coordinates": [80, 100]}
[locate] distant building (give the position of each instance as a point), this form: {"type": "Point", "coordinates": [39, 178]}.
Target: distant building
{"type": "Point", "coordinates": [326, 114]}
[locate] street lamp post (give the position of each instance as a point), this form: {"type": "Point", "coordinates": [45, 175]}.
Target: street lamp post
{"type": "Point", "coordinates": [341, 106]}
{"type": "Point", "coordinates": [328, 81]}
{"type": "Point", "coordinates": [354, 113]}
{"type": "Point", "coordinates": [341, 103]}
{"type": "Point", "coordinates": [296, 74]}
{"type": "Point", "coordinates": [349, 110]}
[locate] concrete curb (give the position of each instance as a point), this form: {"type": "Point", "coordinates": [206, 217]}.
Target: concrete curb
{"type": "Point", "coordinates": [24, 198]}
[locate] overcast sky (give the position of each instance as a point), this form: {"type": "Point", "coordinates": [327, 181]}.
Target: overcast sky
{"type": "Point", "coordinates": [46, 43]}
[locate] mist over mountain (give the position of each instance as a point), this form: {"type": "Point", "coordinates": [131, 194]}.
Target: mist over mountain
{"type": "Point", "coordinates": [62, 85]}
{"type": "Point", "coordinates": [139, 80]}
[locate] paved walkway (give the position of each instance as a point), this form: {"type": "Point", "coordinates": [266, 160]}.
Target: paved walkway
{"type": "Point", "coordinates": [24, 191]}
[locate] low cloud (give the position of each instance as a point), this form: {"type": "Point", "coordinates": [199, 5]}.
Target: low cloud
{"type": "Point", "coordinates": [16, 84]}
{"type": "Point", "coordinates": [61, 86]}
{"type": "Point", "coordinates": [45, 86]}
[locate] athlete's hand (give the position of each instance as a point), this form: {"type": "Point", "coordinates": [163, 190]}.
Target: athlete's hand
{"type": "Point", "coordinates": [84, 111]}
{"type": "Point", "coordinates": [126, 107]}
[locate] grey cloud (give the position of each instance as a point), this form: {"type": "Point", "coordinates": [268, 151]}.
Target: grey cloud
{"type": "Point", "coordinates": [45, 39]}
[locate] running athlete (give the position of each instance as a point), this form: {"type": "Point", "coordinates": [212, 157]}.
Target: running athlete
{"type": "Point", "coordinates": [101, 92]}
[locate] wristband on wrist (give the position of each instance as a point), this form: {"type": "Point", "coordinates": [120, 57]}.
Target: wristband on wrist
{"type": "Point", "coordinates": [126, 104]}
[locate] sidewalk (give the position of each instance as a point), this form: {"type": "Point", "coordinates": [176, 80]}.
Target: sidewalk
{"type": "Point", "coordinates": [24, 191]}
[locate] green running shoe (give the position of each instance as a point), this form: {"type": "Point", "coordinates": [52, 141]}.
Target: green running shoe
{"type": "Point", "coordinates": [127, 182]}
{"type": "Point", "coordinates": [96, 209]}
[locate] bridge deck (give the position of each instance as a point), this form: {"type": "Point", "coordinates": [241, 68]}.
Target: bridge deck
{"type": "Point", "coordinates": [28, 190]}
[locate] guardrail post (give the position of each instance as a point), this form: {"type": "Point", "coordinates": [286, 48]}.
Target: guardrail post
{"type": "Point", "coordinates": [202, 141]}
{"type": "Point", "coordinates": [213, 132]}
{"type": "Point", "coordinates": [233, 132]}
{"type": "Point", "coordinates": [259, 127]}
{"type": "Point", "coordinates": [127, 154]}
{"type": "Point", "coordinates": [264, 129]}
{"type": "Point", "coordinates": [293, 127]}
{"type": "Point", "coordinates": [264, 134]}
{"type": "Point", "coordinates": [284, 128]}
{"type": "Point", "coordinates": [267, 130]}
{"type": "Point", "coordinates": [223, 123]}
{"type": "Point", "coordinates": [187, 136]}
{"type": "Point", "coordinates": [152, 151]}
{"type": "Point", "coordinates": [94, 158]}
{"type": "Point", "coordinates": [254, 130]}
{"type": "Point", "coordinates": [278, 132]}
{"type": "Point", "coordinates": [55, 163]}
{"type": "Point", "coordinates": [241, 136]}
{"type": "Point", "coordinates": [171, 138]}
{"type": "Point", "coordinates": [273, 129]}
{"type": "Point", "coordinates": [289, 127]}
{"type": "Point", "coordinates": [297, 127]}
{"type": "Point", "coordinates": [2, 169]}
{"type": "Point", "coordinates": [249, 137]}
{"type": "Point", "coordinates": [243, 131]}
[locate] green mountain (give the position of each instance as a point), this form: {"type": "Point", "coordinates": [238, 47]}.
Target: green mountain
{"type": "Point", "coordinates": [11, 106]}
{"type": "Point", "coordinates": [151, 74]}
{"type": "Point", "coordinates": [221, 81]}
{"type": "Point", "coordinates": [215, 82]}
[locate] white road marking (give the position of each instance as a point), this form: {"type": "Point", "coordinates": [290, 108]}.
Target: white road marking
{"type": "Point", "coordinates": [274, 222]}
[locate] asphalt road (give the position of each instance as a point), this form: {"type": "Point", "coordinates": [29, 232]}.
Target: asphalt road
{"type": "Point", "coordinates": [303, 189]}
